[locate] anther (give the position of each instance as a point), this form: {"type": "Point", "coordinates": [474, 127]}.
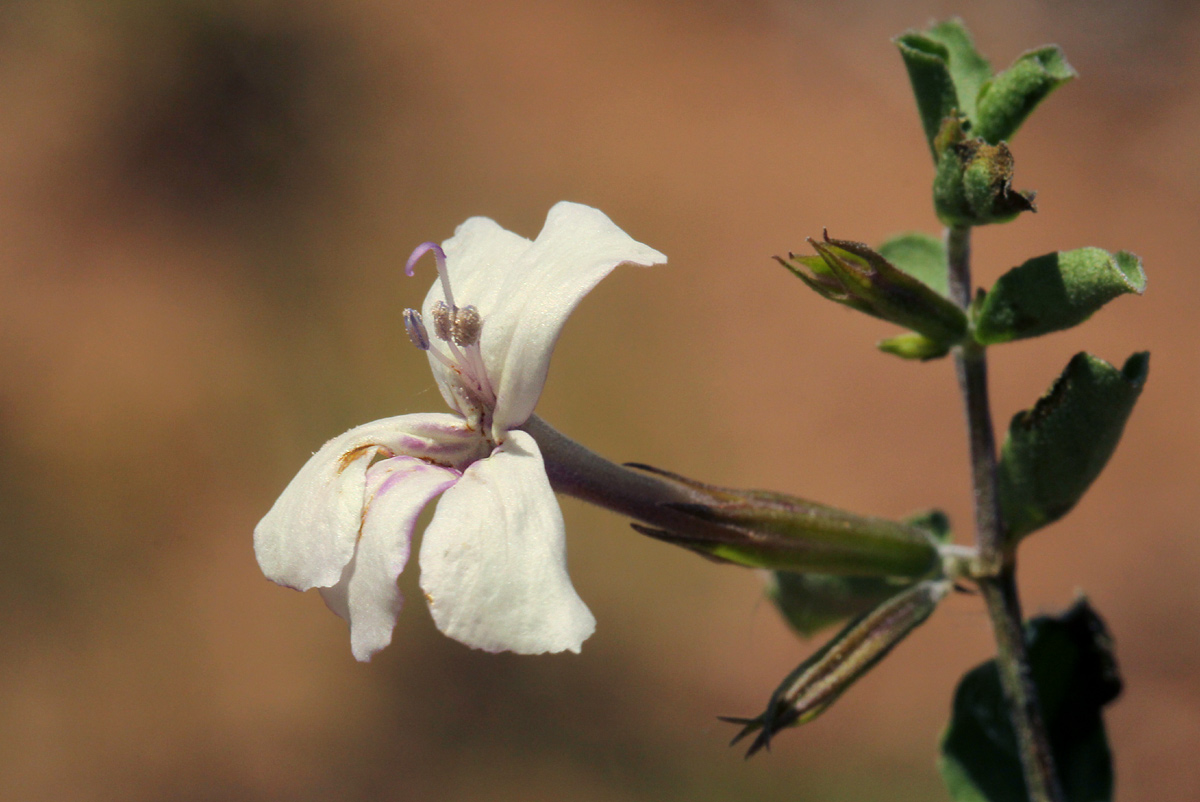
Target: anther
{"type": "Point", "coordinates": [416, 329]}
{"type": "Point", "coordinates": [442, 321]}
{"type": "Point", "coordinates": [467, 324]}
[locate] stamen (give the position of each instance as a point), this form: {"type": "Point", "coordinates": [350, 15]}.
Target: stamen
{"type": "Point", "coordinates": [443, 323]}
{"type": "Point", "coordinates": [416, 329]}
{"type": "Point", "coordinates": [440, 257]}
{"type": "Point", "coordinates": [460, 330]}
{"type": "Point", "coordinates": [467, 324]}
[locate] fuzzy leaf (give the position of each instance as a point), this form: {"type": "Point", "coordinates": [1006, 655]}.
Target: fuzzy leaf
{"type": "Point", "coordinates": [968, 69]}
{"type": "Point", "coordinates": [1076, 676]}
{"type": "Point", "coordinates": [1054, 292]}
{"type": "Point", "coordinates": [813, 602]}
{"type": "Point", "coordinates": [1009, 98]}
{"type": "Point", "coordinates": [1055, 450]}
{"type": "Point", "coordinates": [946, 73]}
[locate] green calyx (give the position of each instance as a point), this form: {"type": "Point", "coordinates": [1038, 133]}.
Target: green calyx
{"type": "Point", "coordinates": [811, 602]}
{"type": "Point", "coordinates": [759, 529]}
{"type": "Point", "coordinates": [973, 182]}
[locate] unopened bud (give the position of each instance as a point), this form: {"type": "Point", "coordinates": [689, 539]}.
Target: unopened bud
{"type": "Point", "coordinates": [853, 274]}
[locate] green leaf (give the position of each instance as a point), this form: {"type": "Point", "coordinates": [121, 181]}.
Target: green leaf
{"type": "Point", "coordinates": [946, 73]}
{"type": "Point", "coordinates": [921, 256]}
{"type": "Point", "coordinates": [813, 602]}
{"type": "Point", "coordinates": [1054, 292]}
{"type": "Point", "coordinates": [929, 73]}
{"type": "Point", "coordinates": [1055, 450]}
{"type": "Point", "coordinates": [1009, 98]}
{"type": "Point", "coordinates": [1076, 675]}
{"type": "Point", "coordinates": [968, 69]}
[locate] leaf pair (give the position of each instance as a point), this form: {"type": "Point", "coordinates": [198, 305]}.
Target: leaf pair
{"type": "Point", "coordinates": [968, 115]}
{"type": "Point", "coordinates": [952, 80]}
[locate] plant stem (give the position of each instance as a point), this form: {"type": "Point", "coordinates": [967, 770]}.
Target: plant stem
{"type": "Point", "coordinates": [996, 570]}
{"type": "Point", "coordinates": [1004, 608]}
{"type": "Point", "coordinates": [970, 361]}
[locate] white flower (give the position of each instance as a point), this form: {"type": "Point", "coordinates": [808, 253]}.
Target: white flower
{"type": "Point", "coordinates": [493, 560]}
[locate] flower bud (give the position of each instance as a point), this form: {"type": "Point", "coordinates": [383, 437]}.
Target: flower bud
{"type": "Point", "coordinates": [852, 274]}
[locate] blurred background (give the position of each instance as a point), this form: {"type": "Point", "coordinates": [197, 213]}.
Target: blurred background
{"type": "Point", "coordinates": [204, 211]}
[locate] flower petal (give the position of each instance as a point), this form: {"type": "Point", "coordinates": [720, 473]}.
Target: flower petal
{"type": "Point", "coordinates": [493, 561]}
{"type": "Point", "coordinates": [366, 595]}
{"type": "Point", "coordinates": [308, 536]}
{"type": "Point", "coordinates": [576, 248]}
{"type": "Point", "coordinates": [525, 292]}
{"type": "Point", "coordinates": [478, 256]}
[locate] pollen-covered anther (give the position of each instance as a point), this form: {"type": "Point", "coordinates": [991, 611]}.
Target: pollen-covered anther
{"type": "Point", "coordinates": [467, 325]}
{"type": "Point", "coordinates": [416, 329]}
{"type": "Point", "coordinates": [442, 321]}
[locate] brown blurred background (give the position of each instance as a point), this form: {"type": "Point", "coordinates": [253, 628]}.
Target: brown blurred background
{"type": "Point", "coordinates": [204, 210]}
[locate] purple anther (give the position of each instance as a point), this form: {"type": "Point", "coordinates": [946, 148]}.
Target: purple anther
{"type": "Point", "coordinates": [440, 257]}
{"type": "Point", "coordinates": [416, 329]}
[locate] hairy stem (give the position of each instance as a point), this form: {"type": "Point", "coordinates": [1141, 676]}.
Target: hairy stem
{"type": "Point", "coordinates": [1004, 608]}
{"type": "Point", "coordinates": [970, 361]}
{"type": "Point", "coordinates": [996, 569]}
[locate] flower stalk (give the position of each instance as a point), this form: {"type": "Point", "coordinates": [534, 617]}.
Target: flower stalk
{"type": "Point", "coordinates": [995, 569]}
